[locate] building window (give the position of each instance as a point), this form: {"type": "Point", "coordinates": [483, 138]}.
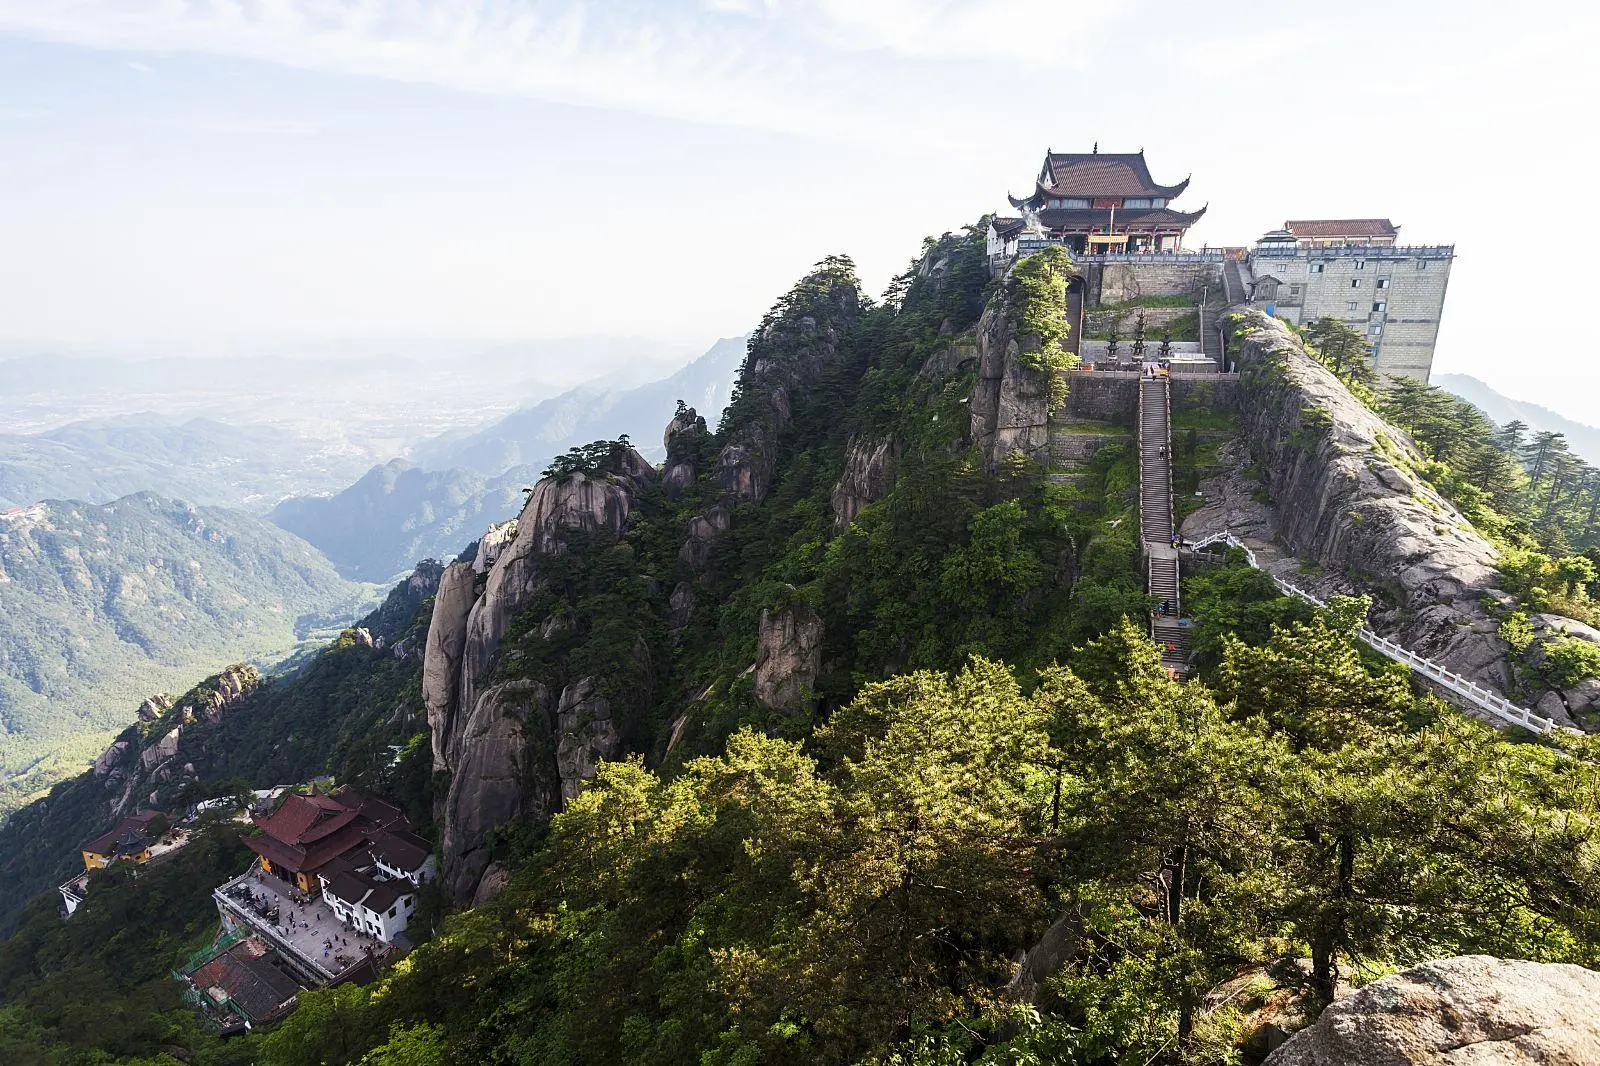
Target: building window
{"type": "Point", "coordinates": [1318, 268]}
{"type": "Point", "coordinates": [1422, 264]}
{"type": "Point", "coordinates": [1355, 283]}
{"type": "Point", "coordinates": [1361, 264]}
{"type": "Point", "coordinates": [1380, 306]}
{"type": "Point", "coordinates": [1075, 204]}
{"type": "Point", "coordinates": [1383, 283]}
{"type": "Point", "coordinates": [391, 911]}
{"type": "Point", "coordinates": [1158, 202]}
{"type": "Point", "coordinates": [1352, 305]}
{"type": "Point", "coordinates": [1294, 290]}
{"type": "Point", "coordinates": [1376, 329]}
{"type": "Point", "coordinates": [1141, 201]}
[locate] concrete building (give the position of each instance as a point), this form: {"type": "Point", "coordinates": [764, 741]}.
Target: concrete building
{"type": "Point", "coordinates": [1353, 270]}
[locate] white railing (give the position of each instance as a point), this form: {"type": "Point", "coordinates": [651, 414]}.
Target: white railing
{"type": "Point", "coordinates": [1452, 682]}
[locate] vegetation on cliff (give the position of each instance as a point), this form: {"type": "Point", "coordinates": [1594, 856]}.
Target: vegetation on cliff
{"type": "Point", "coordinates": [984, 761]}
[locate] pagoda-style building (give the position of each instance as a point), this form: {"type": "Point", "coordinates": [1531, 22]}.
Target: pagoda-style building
{"type": "Point", "coordinates": [1097, 202]}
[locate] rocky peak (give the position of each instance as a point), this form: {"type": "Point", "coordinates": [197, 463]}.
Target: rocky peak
{"type": "Point", "coordinates": [502, 742]}
{"type": "Point", "coordinates": [868, 476]}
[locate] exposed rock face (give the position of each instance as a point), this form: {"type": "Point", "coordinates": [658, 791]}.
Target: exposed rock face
{"type": "Point", "coordinates": [1474, 1010]}
{"type": "Point", "coordinates": [155, 707]}
{"type": "Point", "coordinates": [494, 541]}
{"type": "Point", "coordinates": [498, 777]}
{"type": "Point", "coordinates": [441, 661]}
{"type": "Point", "coordinates": [868, 476]}
{"type": "Point", "coordinates": [1010, 406]}
{"type": "Point", "coordinates": [682, 441]}
{"type": "Point", "coordinates": [500, 742]}
{"type": "Point", "coordinates": [1342, 499]}
{"type": "Point", "coordinates": [588, 735]}
{"type": "Point", "coordinates": [1580, 702]}
{"type": "Point", "coordinates": [703, 529]}
{"type": "Point", "coordinates": [556, 506]}
{"type": "Point", "coordinates": [788, 657]}
{"type": "Point", "coordinates": [787, 357]}
{"type": "Point", "coordinates": [682, 603]}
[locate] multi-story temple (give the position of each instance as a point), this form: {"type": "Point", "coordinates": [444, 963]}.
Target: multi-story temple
{"type": "Point", "coordinates": [1096, 203]}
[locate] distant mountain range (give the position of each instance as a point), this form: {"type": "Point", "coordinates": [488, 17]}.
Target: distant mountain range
{"type": "Point", "coordinates": [398, 514]}
{"type": "Point", "coordinates": [196, 458]}
{"type": "Point", "coordinates": [102, 605]}
{"type": "Point", "coordinates": [1583, 439]}
{"type": "Point", "coordinates": [533, 435]}
{"type": "Point", "coordinates": [455, 487]}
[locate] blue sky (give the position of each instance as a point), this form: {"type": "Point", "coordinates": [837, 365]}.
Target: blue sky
{"type": "Point", "coordinates": [213, 176]}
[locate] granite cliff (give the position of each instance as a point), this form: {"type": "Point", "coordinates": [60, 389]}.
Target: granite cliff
{"type": "Point", "coordinates": [1342, 494]}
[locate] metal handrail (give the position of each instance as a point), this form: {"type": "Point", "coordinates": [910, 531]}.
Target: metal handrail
{"type": "Point", "coordinates": [1467, 689]}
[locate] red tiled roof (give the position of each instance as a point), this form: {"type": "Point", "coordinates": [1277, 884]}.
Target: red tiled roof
{"type": "Point", "coordinates": [305, 833]}
{"type": "Point", "coordinates": [1341, 227]}
{"type": "Point", "coordinates": [106, 842]}
{"type": "Point", "coordinates": [1102, 174]}
{"type": "Point", "coordinates": [259, 988]}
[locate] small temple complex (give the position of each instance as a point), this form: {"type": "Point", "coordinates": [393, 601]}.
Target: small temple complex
{"type": "Point", "coordinates": [1094, 203]}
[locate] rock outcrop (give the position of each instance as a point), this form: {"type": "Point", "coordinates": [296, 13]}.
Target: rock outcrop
{"type": "Point", "coordinates": [494, 541]}
{"type": "Point", "coordinates": [787, 357]}
{"type": "Point", "coordinates": [510, 745]}
{"type": "Point", "coordinates": [868, 476]}
{"type": "Point", "coordinates": [788, 657]}
{"type": "Point", "coordinates": [1463, 1011]}
{"type": "Point", "coordinates": [1344, 497]}
{"type": "Point", "coordinates": [682, 440]}
{"type": "Point", "coordinates": [1010, 408]}
{"type": "Point", "coordinates": [587, 733]}
{"type": "Point", "coordinates": [441, 661]}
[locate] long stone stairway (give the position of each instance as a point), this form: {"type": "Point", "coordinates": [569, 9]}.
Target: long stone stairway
{"type": "Point", "coordinates": [1168, 628]}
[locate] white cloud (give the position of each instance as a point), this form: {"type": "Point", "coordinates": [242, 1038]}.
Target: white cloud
{"type": "Point", "coordinates": [790, 64]}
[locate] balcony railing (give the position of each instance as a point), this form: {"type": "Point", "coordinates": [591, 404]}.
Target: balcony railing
{"type": "Point", "coordinates": [1357, 251]}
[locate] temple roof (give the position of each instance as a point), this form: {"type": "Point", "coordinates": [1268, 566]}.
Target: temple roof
{"type": "Point", "coordinates": [1091, 174]}
{"type": "Point", "coordinates": [305, 833]}
{"type": "Point", "coordinates": [131, 827]}
{"type": "Point", "coordinates": [1137, 220]}
{"type": "Point", "coordinates": [1324, 228]}
{"type": "Point", "coordinates": [259, 988]}
{"type": "Point", "coordinates": [400, 849]}
{"type": "Point", "coordinates": [1004, 227]}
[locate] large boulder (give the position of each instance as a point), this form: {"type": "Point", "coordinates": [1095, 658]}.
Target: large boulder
{"type": "Point", "coordinates": [1474, 1010]}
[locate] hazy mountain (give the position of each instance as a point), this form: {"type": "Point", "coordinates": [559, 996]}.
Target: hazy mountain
{"type": "Point", "coordinates": [101, 605]}
{"type": "Point", "coordinates": [533, 435]}
{"type": "Point", "coordinates": [197, 459]}
{"type": "Point", "coordinates": [1585, 440]}
{"type": "Point", "coordinates": [398, 514]}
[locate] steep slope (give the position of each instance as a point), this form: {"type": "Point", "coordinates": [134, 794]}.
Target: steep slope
{"type": "Point", "coordinates": [1345, 495]}
{"type": "Point", "coordinates": [530, 437]}
{"type": "Point", "coordinates": [399, 513]}
{"type": "Point", "coordinates": [100, 604]}
{"type": "Point", "coordinates": [637, 613]}
{"type": "Point", "coordinates": [341, 712]}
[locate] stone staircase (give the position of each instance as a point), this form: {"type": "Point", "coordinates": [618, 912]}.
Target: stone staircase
{"type": "Point", "coordinates": [1168, 629]}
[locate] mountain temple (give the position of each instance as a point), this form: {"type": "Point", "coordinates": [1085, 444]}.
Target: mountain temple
{"type": "Point", "coordinates": [1094, 202]}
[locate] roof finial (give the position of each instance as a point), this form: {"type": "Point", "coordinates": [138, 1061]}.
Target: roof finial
{"type": "Point", "coordinates": [1096, 148]}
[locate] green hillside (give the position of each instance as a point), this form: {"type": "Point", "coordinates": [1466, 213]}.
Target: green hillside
{"type": "Point", "coordinates": [103, 605]}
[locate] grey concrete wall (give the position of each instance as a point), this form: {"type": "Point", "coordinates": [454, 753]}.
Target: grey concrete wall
{"type": "Point", "coordinates": [1121, 281]}
{"type": "Point", "coordinates": [1112, 397]}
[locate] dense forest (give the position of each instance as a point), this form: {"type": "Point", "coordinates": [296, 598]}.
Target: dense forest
{"type": "Point", "coordinates": [991, 829]}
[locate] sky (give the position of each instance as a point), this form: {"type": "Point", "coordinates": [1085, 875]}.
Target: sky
{"type": "Point", "coordinates": [222, 176]}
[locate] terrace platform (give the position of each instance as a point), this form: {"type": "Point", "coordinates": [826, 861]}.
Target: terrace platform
{"type": "Point", "coordinates": [298, 927]}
